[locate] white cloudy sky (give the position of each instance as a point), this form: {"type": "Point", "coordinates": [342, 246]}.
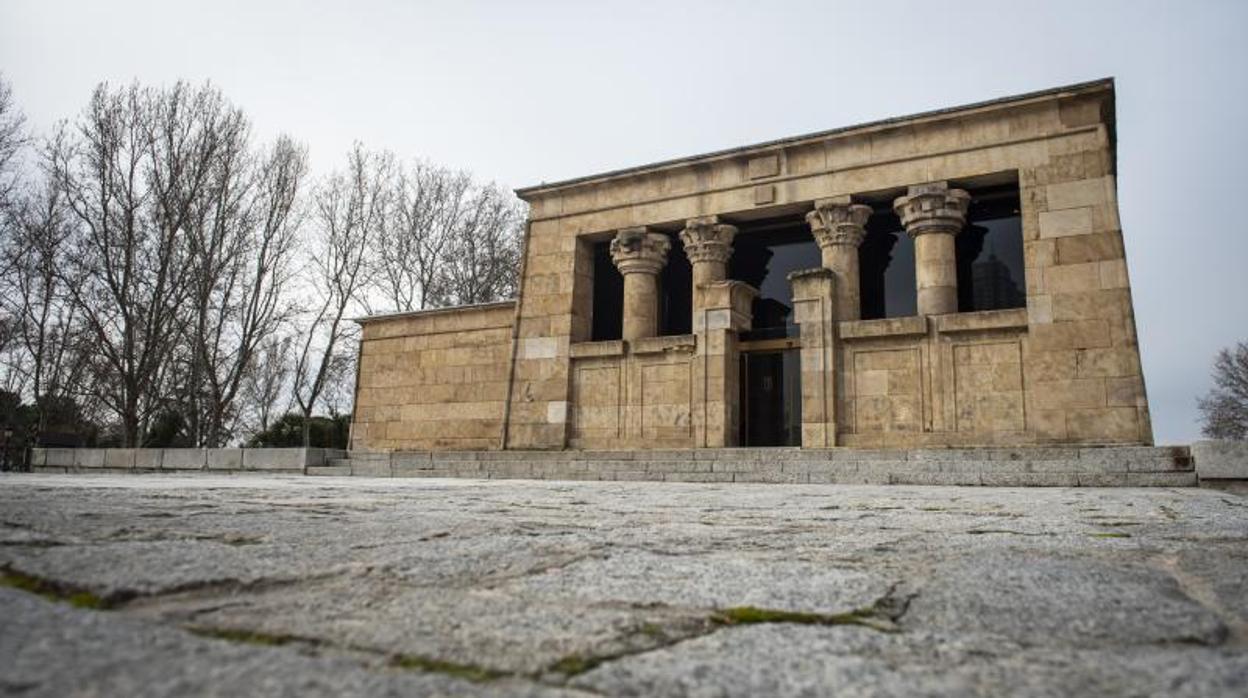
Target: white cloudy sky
{"type": "Point", "coordinates": [524, 92]}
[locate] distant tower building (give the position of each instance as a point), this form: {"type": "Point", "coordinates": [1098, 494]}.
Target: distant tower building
{"type": "Point", "coordinates": [993, 286]}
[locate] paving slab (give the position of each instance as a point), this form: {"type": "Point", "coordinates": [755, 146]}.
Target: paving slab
{"type": "Point", "coordinates": [245, 584]}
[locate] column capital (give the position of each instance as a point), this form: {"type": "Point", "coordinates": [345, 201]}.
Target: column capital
{"type": "Point", "coordinates": [932, 208]}
{"type": "Point", "coordinates": [637, 250]}
{"type": "Point", "coordinates": [707, 240]}
{"type": "Point", "coordinates": [838, 222]}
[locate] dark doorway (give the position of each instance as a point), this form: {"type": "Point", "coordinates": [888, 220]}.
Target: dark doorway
{"type": "Point", "coordinates": [771, 398]}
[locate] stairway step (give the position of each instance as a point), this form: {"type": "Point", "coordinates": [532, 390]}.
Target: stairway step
{"type": "Point", "coordinates": [338, 470]}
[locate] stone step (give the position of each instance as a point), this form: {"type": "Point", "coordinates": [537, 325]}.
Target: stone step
{"type": "Point", "coordinates": [1033, 466]}
{"type": "Point", "coordinates": [340, 470]}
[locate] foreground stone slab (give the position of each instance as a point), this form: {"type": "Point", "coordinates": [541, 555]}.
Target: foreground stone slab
{"type": "Point", "coordinates": [54, 650]}
{"type": "Point", "coordinates": [262, 584]}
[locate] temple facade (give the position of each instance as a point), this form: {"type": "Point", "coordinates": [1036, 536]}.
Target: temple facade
{"type": "Point", "coordinates": [953, 278]}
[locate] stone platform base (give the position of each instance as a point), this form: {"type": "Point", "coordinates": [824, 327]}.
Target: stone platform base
{"type": "Point", "coordinates": [1166, 466]}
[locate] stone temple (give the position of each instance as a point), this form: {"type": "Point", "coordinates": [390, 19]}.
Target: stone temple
{"type": "Point", "coordinates": [949, 279]}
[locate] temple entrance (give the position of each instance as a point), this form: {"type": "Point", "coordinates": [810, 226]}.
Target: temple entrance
{"type": "Point", "coordinates": [771, 395]}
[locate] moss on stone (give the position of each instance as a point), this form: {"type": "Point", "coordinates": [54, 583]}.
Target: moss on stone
{"type": "Point", "coordinates": [1110, 534]}
{"type": "Point", "coordinates": [746, 615]}
{"type": "Point", "coordinates": [574, 664]}
{"type": "Point", "coordinates": [462, 671]}
{"type": "Point", "coordinates": [249, 637]}
{"type": "Point", "coordinates": [79, 598]}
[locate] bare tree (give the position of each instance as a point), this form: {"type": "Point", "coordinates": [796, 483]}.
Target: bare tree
{"type": "Point", "coordinates": [266, 386]}
{"type": "Point", "coordinates": [132, 168]}
{"type": "Point", "coordinates": [427, 207]}
{"type": "Point", "coordinates": [50, 354]}
{"type": "Point", "coordinates": [242, 240]}
{"type": "Point", "coordinates": [348, 209]}
{"type": "Point", "coordinates": [484, 253]}
{"type": "Point", "coordinates": [13, 138]}
{"type": "Point", "coordinates": [447, 240]}
{"type": "Point", "coordinates": [1225, 406]}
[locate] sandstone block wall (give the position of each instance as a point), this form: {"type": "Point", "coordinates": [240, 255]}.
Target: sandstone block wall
{"type": "Point", "coordinates": [634, 395]}
{"type": "Point", "coordinates": [433, 379]}
{"type": "Point", "coordinates": [1063, 370]}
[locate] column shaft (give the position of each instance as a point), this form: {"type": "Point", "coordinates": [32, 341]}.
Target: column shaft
{"type": "Point", "coordinates": [839, 228]}
{"type": "Point", "coordinates": [936, 274]}
{"type": "Point", "coordinates": [933, 215]}
{"type": "Point", "coordinates": [640, 255]}
{"type": "Point", "coordinates": [641, 305]}
{"type": "Point", "coordinates": [708, 245]}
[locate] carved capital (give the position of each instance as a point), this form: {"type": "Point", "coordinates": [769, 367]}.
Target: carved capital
{"type": "Point", "coordinates": [932, 208]}
{"type": "Point", "coordinates": [707, 240]}
{"type": "Point", "coordinates": [637, 250]}
{"type": "Point", "coordinates": [838, 222]}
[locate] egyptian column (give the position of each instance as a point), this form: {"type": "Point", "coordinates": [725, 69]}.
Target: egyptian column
{"type": "Point", "coordinates": [933, 214]}
{"type": "Point", "coordinates": [640, 255]}
{"type": "Point", "coordinates": [839, 227]}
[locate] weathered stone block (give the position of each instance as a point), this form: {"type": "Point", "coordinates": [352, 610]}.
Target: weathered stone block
{"type": "Point", "coordinates": [148, 458]}
{"type": "Point", "coordinates": [120, 458]}
{"type": "Point", "coordinates": [1221, 460]}
{"type": "Point", "coordinates": [224, 458]}
{"type": "Point", "coordinates": [89, 458]}
{"type": "Point", "coordinates": [184, 459]}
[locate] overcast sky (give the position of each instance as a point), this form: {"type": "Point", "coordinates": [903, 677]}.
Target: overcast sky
{"type": "Point", "coordinates": [525, 92]}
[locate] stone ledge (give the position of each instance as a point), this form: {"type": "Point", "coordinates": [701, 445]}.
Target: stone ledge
{"type": "Point", "coordinates": [1134, 466]}
{"type": "Point", "coordinates": [1014, 318]}
{"type": "Point", "coordinates": [656, 345]}
{"type": "Point", "coordinates": [585, 350]}
{"type": "Point", "coordinates": [884, 327]}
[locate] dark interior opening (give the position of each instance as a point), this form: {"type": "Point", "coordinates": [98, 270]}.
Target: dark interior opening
{"type": "Point", "coordinates": [608, 312]}
{"type": "Point", "coordinates": [990, 252]}
{"type": "Point", "coordinates": [675, 294]}
{"type": "Point", "coordinates": [676, 291]}
{"type": "Point", "coordinates": [886, 267]}
{"type": "Point", "coordinates": [764, 254]}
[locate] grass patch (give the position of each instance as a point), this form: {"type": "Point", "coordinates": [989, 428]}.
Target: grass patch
{"type": "Point", "coordinates": [652, 630]}
{"type": "Point", "coordinates": [51, 591]}
{"type": "Point", "coordinates": [438, 666]}
{"type": "Point", "coordinates": [574, 664]}
{"type": "Point", "coordinates": [248, 637]}
{"type": "Point", "coordinates": [747, 615]}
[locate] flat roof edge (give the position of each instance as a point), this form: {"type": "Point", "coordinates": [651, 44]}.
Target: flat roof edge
{"type": "Point", "coordinates": [433, 311]}
{"type": "Point", "coordinates": [1088, 86]}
